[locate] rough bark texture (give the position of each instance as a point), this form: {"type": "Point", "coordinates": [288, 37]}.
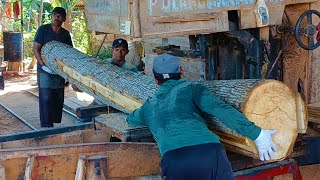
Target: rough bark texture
{"type": "Point", "coordinates": [268, 103]}
{"type": "Point", "coordinates": [122, 89]}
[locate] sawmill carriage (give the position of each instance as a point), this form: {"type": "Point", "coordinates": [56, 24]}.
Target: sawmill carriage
{"type": "Point", "coordinates": [230, 40]}
{"type": "Point", "coordinates": [259, 69]}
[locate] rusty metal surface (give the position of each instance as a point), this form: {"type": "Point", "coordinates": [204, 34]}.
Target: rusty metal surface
{"type": "Point", "coordinates": [60, 162]}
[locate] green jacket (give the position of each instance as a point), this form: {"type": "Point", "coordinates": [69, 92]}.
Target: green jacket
{"type": "Point", "coordinates": [173, 116]}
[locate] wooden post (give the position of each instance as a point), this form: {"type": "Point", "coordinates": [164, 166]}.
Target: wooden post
{"type": "Point", "coordinates": [32, 64]}
{"type": "Point", "coordinates": [29, 167]}
{"type": "Point", "coordinates": [136, 19]}
{"type": "Point", "coordinates": [81, 168]}
{"type": "Point", "coordinates": [2, 173]}
{"type": "Point", "coordinates": [96, 168]}
{"type": "Point", "coordinates": [15, 66]}
{"type": "Point", "coordinates": [67, 23]}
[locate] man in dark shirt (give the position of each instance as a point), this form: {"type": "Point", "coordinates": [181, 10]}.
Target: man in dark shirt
{"type": "Point", "coordinates": [51, 86]}
{"type": "Point", "coordinates": [188, 148]}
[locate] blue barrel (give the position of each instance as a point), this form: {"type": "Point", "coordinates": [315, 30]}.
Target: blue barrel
{"type": "Point", "coordinates": [12, 42]}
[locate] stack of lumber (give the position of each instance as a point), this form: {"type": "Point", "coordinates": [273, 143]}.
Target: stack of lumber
{"type": "Point", "coordinates": [314, 112]}
{"type": "Point", "coordinates": [268, 103]}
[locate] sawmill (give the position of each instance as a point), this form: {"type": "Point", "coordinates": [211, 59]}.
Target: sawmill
{"type": "Point", "coordinates": [264, 64]}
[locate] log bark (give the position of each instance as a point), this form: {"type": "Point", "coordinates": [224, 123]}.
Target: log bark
{"type": "Point", "coordinates": [269, 104]}
{"type": "Point", "coordinates": [122, 89]}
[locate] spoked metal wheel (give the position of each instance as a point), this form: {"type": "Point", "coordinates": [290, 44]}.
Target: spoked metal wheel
{"type": "Point", "coordinates": [309, 30]}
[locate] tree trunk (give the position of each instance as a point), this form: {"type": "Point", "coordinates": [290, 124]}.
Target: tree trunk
{"type": "Point", "coordinates": [268, 103]}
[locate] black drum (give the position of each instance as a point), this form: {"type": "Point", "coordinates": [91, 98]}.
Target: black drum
{"type": "Point", "coordinates": [12, 42]}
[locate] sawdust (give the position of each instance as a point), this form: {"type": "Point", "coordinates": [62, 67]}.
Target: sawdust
{"type": "Point", "coordinates": [15, 97]}
{"type": "Point", "coordinates": [10, 124]}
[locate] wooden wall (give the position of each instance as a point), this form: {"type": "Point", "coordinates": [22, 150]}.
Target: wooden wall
{"type": "Point", "coordinates": [299, 64]}
{"type": "Point", "coordinates": [314, 66]}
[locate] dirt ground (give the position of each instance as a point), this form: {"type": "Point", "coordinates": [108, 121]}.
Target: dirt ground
{"type": "Point", "coordinates": [25, 105]}
{"type": "Point", "coordinates": [10, 124]}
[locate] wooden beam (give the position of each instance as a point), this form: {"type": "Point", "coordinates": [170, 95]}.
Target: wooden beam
{"type": "Point", "coordinates": [29, 168]}
{"type": "Point", "coordinates": [96, 167]}
{"type": "Point", "coordinates": [264, 33]}
{"type": "Point", "coordinates": [176, 18]}
{"type": "Point", "coordinates": [81, 168]}
{"type": "Point", "coordinates": [2, 172]}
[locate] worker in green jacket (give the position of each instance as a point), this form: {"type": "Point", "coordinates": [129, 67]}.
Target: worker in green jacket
{"type": "Point", "coordinates": [188, 148]}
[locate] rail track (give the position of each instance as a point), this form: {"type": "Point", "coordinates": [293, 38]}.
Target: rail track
{"type": "Point", "coordinates": [19, 112]}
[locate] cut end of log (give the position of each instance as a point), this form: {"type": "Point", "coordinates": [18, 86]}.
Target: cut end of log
{"type": "Point", "coordinates": [272, 105]}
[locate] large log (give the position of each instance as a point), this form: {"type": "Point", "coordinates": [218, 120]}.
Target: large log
{"type": "Point", "coordinates": [268, 103]}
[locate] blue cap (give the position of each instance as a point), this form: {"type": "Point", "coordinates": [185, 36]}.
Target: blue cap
{"type": "Point", "coordinates": [166, 64]}
{"type": "Point", "coordinates": [118, 42]}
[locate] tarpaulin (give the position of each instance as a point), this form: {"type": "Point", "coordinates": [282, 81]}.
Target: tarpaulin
{"type": "Point", "coordinates": [16, 9]}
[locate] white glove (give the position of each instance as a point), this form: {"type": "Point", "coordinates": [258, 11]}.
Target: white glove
{"type": "Point", "coordinates": [46, 69]}
{"type": "Point", "coordinates": [265, 145]}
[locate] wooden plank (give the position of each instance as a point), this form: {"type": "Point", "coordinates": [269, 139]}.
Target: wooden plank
{"type": "Point", "coordinates": [60, 162]}
{"type": "Point", "coordinates": [157, 8]}
{"type": "Point", "coordinates": [136, 19]}
{"type": "Point", "coordinates": [152, 29]}
{"type": "Point", "coordinates": [72, 103]}
{"type": "Point", "coordinates": [315, 120]}
{"type": "Point", "coordinates": [2, 172]}
{"type": "Point", "coordinates": [81, 168]}
{"type": "Point", "coordinates": [73, 137]}
{"type": "Point", "coordinates": [248, 18]}
{"type": "Point", "coordinates": [108, 15]}
{"type": "Point", "coordinates": [96, 167]}
{"type": "Point", "coordinates": [29, 168]}
{"type": "Point", "coordinates": [296, 59]}
{"type": "Point", "coordinates": [315, 5]}
{"type": "Point", "coordinates": [185, 18]}
{"type": "Point", "coordinates": [265, 33]}
{"type": "Point", "coordinates": [313, 70]}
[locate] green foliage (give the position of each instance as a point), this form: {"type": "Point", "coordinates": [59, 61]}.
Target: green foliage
{"type": "Point", "coordinates": [106, 53]}
{"type": "Point", "coordinates": [79, 32]}
{"type": "Point", "coordinates": [32, 9]}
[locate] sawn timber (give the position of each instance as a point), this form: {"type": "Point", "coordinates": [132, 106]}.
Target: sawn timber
{"type": "Point", "coordinates": [268, 103]}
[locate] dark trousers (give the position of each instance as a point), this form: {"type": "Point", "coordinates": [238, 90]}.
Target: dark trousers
{"type": "Point", "coordinates": [50, 105]}
{"type": "Point", "coordinates": [199, 162]}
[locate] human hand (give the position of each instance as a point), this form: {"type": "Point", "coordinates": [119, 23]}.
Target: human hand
{"type": "Point", "coordinates": [265, 145]}
{"type": "Point", "coordinates": [46, 69]}
{"type": "Point", "coordinates": [75, 88]}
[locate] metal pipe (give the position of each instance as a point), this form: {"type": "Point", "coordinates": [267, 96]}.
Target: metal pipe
{"type": "Point", "coordinates": [68, 112]}
{"type": "Point", "coordinates": [20, 118]}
